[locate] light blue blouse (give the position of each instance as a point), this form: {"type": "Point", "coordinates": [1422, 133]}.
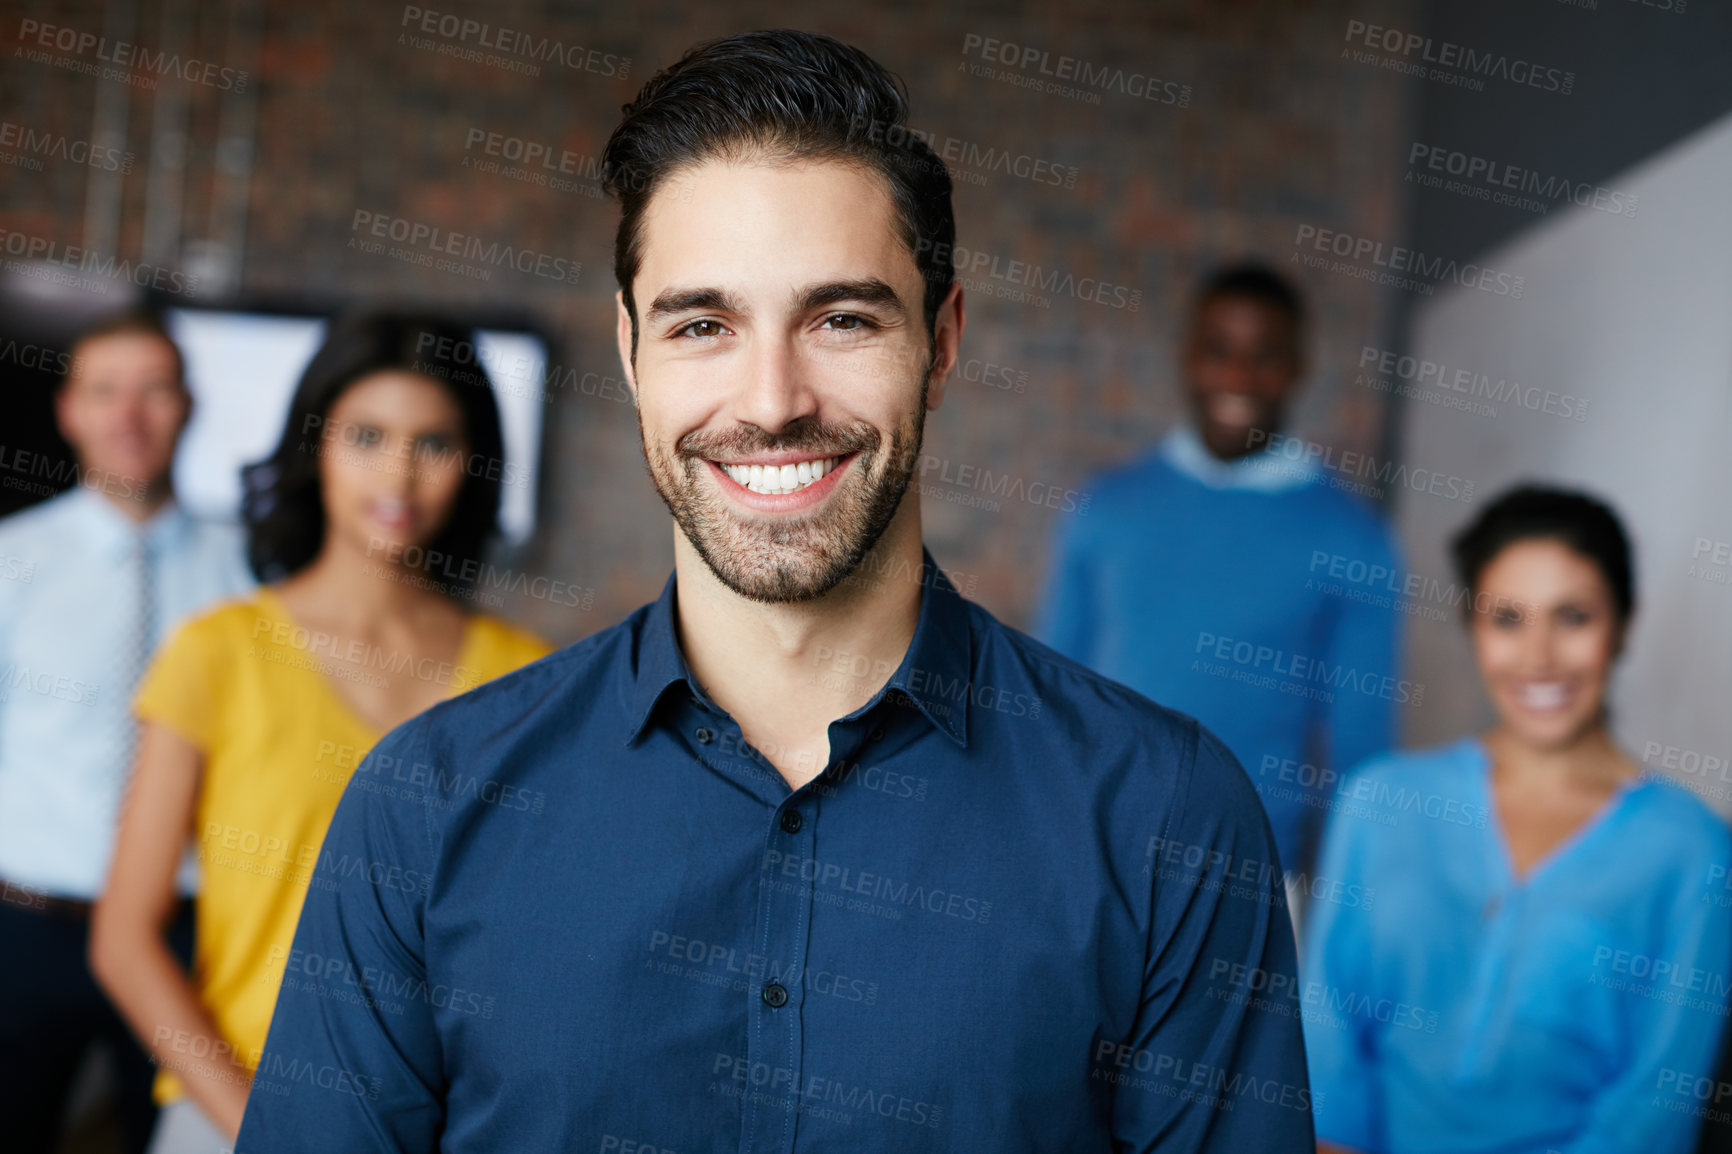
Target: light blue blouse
{"type": "Point", "coordinates": [1461, 1008]}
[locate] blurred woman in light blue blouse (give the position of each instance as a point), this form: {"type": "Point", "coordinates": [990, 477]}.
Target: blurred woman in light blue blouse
{"type": "Point", "coordinates": [1548, 930]}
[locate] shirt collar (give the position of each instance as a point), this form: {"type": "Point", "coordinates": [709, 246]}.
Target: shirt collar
{"type": "Point", "coordinates": [935, 672]}
{"type": "Point", "coordinates": [1263, 472]}
{"type": "Point", "coordinates": [112, 532]}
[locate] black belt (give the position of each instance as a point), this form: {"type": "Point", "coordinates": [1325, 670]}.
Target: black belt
{"type": "Point", "coordinates": [35, 901]}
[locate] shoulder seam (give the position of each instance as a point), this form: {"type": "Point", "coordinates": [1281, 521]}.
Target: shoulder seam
{"type": "Point", "coordinates": [1181, 799]}
{"type": "Point", "coordinates": [1049, 658]}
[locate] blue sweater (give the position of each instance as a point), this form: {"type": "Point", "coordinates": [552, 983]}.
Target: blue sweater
{"type": "Point", "coordinates": [1252, 596]}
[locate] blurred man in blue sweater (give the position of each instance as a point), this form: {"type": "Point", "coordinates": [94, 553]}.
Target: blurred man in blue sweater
{"type": "Point", "coordinates": [1206, 573]}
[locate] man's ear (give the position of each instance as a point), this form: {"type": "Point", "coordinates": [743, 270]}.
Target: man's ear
{"type": "Point", "coordinates": [623, 334]}
{"type": "Point", "coordinates": [946, 343]}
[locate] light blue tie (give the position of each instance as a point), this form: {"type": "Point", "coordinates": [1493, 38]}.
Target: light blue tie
{"type": "Point", "coordinates": [135, 645]}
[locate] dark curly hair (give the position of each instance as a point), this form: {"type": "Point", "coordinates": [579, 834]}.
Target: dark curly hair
{"type": "Point", "coordinates": [1583, 524]}
{"type": "Point", "coordinates": [794, 95]}
{"type": "Point", "coordinates": [282, 502]}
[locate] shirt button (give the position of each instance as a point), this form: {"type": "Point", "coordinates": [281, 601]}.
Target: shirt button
{"type": "Point", "coordinates": [877, 733]}
{"type": "Point", "coordinates": [703, 735]}
{"type": "Point", "coordinates": [775, 996]}
{"type": "Point", "coordinates": [792, 821]}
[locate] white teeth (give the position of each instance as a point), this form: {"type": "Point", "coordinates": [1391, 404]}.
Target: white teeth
{"type": "Point", "coordinates": [1232, 408]}
{"type": "Point", "coordinates": [1546, 695]}
{"type": "Point", "coordinates": [775, 479]}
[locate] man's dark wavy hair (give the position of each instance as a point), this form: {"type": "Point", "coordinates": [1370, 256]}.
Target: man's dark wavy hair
{"type": "Point", "coordinates": [788, 96]}
{"type": "Point", "coordinates": [282, 502]}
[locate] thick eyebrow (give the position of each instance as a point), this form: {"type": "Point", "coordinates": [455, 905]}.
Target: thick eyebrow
{"type": "Point", "coordinates": [870, 291]}
{"type": "Point", "coordinates": [675, 300]}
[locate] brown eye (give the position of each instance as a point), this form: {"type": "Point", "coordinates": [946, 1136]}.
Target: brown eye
{"type": "Point", "coordinates": [1506, 617]}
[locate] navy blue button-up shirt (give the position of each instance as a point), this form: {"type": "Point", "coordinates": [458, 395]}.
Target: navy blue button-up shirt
{"type": "Point", "coordinates": [1022, 909]}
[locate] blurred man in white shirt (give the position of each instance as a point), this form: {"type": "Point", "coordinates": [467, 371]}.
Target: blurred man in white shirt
{"type": "Point", "coordinates": [90, 581]}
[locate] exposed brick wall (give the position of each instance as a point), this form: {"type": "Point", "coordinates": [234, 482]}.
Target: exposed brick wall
{"type": "Point", "coordinates": [1276, 132]}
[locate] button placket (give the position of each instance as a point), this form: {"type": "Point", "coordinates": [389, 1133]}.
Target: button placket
{"type": "Point", "coordinates": [774, 1027]}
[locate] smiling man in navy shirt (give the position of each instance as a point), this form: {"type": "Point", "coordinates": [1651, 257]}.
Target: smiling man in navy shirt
{"type": "Point", "coordinates": [810, 854]}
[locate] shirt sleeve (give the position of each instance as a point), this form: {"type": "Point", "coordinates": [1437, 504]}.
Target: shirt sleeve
{"type": "Point", "coordinates": [1341, 1049]}
{"type": "Point", "coordinates": [1212, 1066]}
{"type": "Point", "coordinates": [1366, 639]}
{"type": "Point", "coordinates": [1653, 1106]}
{"type": "Point", "coordinates": [182, 685]}
{"type": "Point", "coordinates": [1066, 617]}
{"type": "Point", "coordinates": [344, 1069]}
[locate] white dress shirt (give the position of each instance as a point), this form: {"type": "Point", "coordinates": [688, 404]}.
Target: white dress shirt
{"type": "Point", "coordinates": [69, 596]}
{"type": "Point", "coordinates": [1265, 471]}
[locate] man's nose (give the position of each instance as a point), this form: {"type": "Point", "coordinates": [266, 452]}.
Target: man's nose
{"type": "Point", "coordinates": [775, 389]}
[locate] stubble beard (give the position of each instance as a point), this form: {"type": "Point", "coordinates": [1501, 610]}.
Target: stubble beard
{"type": "Point", "coordinates": [775, 559]}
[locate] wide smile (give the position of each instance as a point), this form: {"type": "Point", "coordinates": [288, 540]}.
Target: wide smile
{"type": "Point", "coordinates": [1545, 697]}
{"type": "Point", "coordinates": [394, 514]}
{"type": "Point", "coordinates": [1233, 409]}
{"type": "Point", "coordinates": [781, 483]}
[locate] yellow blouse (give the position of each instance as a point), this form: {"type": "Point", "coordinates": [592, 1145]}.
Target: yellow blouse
{"type": "Point", "coordinates": [248, 686]}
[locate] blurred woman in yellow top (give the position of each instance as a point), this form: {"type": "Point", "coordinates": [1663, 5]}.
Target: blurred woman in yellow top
{"type": "Point", "coordinates": [366, 526]}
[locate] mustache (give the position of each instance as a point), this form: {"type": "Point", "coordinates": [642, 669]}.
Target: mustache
{"type": "Point", "coordinates": [819, 438]}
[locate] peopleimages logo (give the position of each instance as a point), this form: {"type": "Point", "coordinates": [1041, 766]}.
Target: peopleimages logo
{"type": "Point", "coordinates": [1413, 54]}
{"type": "Point", "coordinates": [1316, 1002]}
{"type": "Point", "coordinates": [1364, 256]}
{"type": "Point", "coordinates": [1464, 388]}
{"type": "Point", "coordinates": [1031, 65]}
{"type": "Point", "coordinates": [1385, 587]}
{"type": "Point", "coordinates": [495, 45]}
{"type": "Point", "coordinates": [1350, 464]}
{"type": "Point", "coordinates": [50, 256]}
{"type": "Point", "coordinates": [1295, 672]}
{"type": "Point", "coordinates": [32, 144]}
{"type": "Point", "coordinates": [1172, 1076]}
{"type": "Point", "coordinates": [125, 56]}
{"type": "Point", "coordinates": [972, 159]}
{"type": "Point", "coordinates": [815, 1094]}
{"type": "Point", "coordinates": [1360, 795]}
{"type": "Point", "coordinates": [1020, 279]}
{"type": "Point", "coordinates": [1507, 184]}
{"type": "Point", "coordinates": [417, 235]}
{"type": "Point", "coordinates": [1009, 486]}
